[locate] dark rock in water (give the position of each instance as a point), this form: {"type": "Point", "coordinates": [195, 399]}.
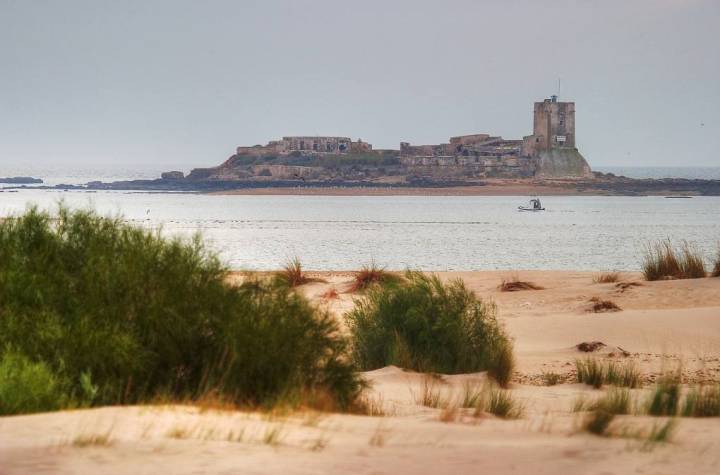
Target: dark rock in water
{"type": "Point", "coordinates": [173, 175]}
{"type": "Point", "coordinates": [21, 180]}
{"type": "Point", "coordinates": [590, 346]}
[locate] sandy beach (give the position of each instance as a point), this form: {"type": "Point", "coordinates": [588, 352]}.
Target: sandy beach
{"type": "Point", "coordinates": [662, 325]}
{"type": "Point", "coordinates": [497, 187]}
{"type": "Point", "coordinates": [491, 188]}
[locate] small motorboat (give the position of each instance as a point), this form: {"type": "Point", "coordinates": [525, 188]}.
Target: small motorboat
{"type": "Point", "coordinates": [535, 205]}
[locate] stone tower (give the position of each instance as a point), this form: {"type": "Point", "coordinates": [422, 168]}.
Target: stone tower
{"type": "Point", "coordinates": [553, 141]}
{"type": "Point", "coordinates": [554, 124]}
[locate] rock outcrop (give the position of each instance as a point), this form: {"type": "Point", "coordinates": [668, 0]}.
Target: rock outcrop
{"type": "Point", "coordinates": [562, 162]}
{"type": "Point", "coordinates": [173, 175]}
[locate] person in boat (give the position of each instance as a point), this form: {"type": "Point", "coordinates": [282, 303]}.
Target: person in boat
{"type": "Point", "coordinates": [536, 203]}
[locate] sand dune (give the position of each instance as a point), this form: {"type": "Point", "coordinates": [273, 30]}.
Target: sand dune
{"type": "Point", "coordinates": [662, 324]}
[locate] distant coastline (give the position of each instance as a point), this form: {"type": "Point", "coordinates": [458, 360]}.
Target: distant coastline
{"type": "Point", "coordinates": [657, 172]}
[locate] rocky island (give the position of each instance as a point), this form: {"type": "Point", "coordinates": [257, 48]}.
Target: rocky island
{"type": "Point", "coordinates": [545, 162]}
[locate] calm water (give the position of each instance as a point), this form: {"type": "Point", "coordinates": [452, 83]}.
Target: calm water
{"type": "Point", "coordinates": [433, 233]}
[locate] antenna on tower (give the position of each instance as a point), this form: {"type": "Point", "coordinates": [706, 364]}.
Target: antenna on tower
{"type": "Point", "coordinates": [558, 93]}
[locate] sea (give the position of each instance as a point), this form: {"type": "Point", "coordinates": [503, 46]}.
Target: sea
{"type": "Point", "coordinates": [432, 233]}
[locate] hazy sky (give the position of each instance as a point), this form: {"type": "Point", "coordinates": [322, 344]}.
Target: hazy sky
{"type": "Point", "coordinates": [180, 84]}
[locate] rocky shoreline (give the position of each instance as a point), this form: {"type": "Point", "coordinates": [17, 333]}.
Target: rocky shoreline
{"type": "Point", "coordinates": [601, 184]}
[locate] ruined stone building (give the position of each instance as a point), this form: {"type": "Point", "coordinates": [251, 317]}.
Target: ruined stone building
{"type": "Point", "coordinates": [307, 145]}
{"type": "Point", "coordinates": [480, 154]}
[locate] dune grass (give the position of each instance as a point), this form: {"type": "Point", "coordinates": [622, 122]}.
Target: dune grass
{"type": "Point", "coordinates": [660, 433]}
{"type": "Point", "coordinates": [501, 403]}
{"type": "Point", "coordinates": [372, 274]}
{"type": "Point", "coordinates": [665, 397]}
{"type": "Point", "coordinates": [431, 394]}
{"type": "Point", "coordinates": [370, 406]}
{"type": "Point", "coordinates": [292, 274]}
{"type": "Point", "coordinates": [93, 440]}
{"type": "Point", "coordinates": [703, 401]}
{"type": "Point", "coordinates": [596, 373]}
{"type": "Point", "coordinates": [144, 317]}
{"type": "Point", "coordinates": [551, 378]}
{"type": "Point", "coordinates": [598, 422]}
{"type": "Point", "coordinates": [580, 403]}
{"type": "Point", "coordinates": [624, 374]}
{"type": "Point", "coordinates": [514, 284]}
{"type": "Point", "coordinates": [472, 395]}
{"type": "Point", "coordinates": [616, 401]}
{"type": "Point", "coordinates": [663, 261]}
{"type": "Point", "coordinates": [606, 278]}
{"type": "Point", "coordinates": [619, 401]}
{"type": "Point", "coordinates": [426, 325]}
{"type": "Point", "coordinates": [591, 372]}
{"type": "Point", "coordinates": [716, 264]}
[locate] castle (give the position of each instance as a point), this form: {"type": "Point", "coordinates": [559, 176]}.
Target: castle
{"type": "Point", "coordinates": [550, 152]}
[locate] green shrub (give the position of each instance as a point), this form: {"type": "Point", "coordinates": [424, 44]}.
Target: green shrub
{"type": "Point", "coordinates": [146, 316]}
{"type": "Point", "coordinates": [663, 261]}
{"type": "Point", "coordinates": [425, 325]}
{"type": "Point", "coordinates": [278, 344]}
{"type": "Point", "coordinates": [27, 387]}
